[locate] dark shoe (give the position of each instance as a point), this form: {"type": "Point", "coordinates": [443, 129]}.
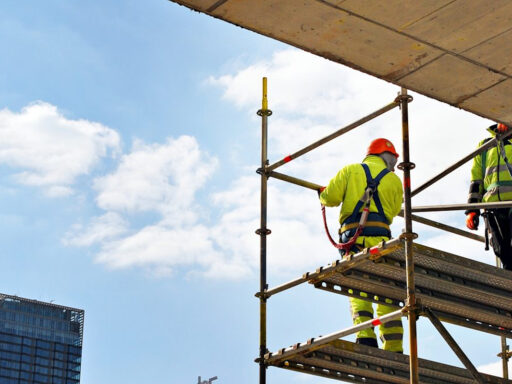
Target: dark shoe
{"type": "Point", "coordinates": [368, 341]}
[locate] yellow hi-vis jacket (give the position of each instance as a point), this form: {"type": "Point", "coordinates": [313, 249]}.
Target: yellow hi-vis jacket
{"type": "Point", "coordinates": [490, 179]}
{"type": "Point", "coordinates": [349, 184]}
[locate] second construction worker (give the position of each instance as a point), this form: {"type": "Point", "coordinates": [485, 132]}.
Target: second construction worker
{"type": "Point", "coordinates": [348, 187]}
{"type": "Point", "coordinates": [491, 181]}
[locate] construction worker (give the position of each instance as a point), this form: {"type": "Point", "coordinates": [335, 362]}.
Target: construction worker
{"type": "Point", "coordinates": [347, 188]}
{"type": "Point", "coordinates": [491, 180]}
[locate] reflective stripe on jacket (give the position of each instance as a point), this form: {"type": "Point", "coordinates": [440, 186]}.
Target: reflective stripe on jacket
{"type": "Point", "coordinates": [349, 184]}
{"type": "Point", "coordinates": [490, 178]}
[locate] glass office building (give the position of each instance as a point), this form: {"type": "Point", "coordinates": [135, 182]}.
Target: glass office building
{"type": "Point", "coordinates": [39, 342]}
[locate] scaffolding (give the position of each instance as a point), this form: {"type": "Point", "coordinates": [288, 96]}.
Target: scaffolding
{"type": "Point", "coordinates": [417, 280]}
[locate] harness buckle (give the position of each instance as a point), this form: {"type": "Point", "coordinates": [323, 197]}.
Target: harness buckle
{"type": "Point", "coordinates": [371, 184]}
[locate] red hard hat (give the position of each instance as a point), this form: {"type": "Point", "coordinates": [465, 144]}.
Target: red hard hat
{"type": "Point", "coordinates": [379, 146]}
{"type": "Point", "coordinates": [501, 128]}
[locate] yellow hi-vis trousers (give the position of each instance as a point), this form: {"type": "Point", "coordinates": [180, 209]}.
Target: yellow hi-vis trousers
{"type": "Point", "coordinates": [391, 333]}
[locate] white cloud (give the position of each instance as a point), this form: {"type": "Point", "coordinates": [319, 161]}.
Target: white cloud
{"type": "Point", "coordinates": [157, 245]}
{"type": "Point", "coordinates": [50, 151]}
{"type": "Point", "coordinates": [311, 98]}
{"type": "Point", "coordinates": [302, 84]}
{"type": "Point", "coordinates": [58, 191]}
{"type": "Point", "coordinates": [495, 369]}
{"type": "Point", "coordinates": [162, 179]}
{"type": "Point", "coordinates": [157, 177]}
{"type": "Point", "coordinates": [108, 226]}
{"type": "Point", "coordinates": [160, 250]}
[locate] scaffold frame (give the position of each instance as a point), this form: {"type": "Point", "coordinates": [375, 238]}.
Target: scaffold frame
{"type": "Point", "coordinates": [410, 306]}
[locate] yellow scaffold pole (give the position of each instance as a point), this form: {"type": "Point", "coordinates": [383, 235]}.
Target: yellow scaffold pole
{"type": "Point", "coordinates": [263, 231]}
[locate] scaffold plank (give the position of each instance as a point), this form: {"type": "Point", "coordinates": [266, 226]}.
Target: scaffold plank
{"type": "Point", "coordinates": [349, 362]}
{"type": "Point", "coordinates": [456, 289]}
{"type": "Point", "coordinates": [449, 50]}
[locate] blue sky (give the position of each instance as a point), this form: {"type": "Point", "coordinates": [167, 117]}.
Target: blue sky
{"type": "Point", "coordinates": [128, 148]}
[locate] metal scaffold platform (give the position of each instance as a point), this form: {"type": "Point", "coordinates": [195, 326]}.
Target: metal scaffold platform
{"type": "Point", "coordinates": [449, 287]}
{"type": "Point", "coordinates": [458, 290]}
{"type": "Point", "coordinates": [350, 362]}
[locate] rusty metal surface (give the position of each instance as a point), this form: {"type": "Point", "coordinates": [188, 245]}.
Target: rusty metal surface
{"type": "Point", "coordinates": [349, 362]}
{"type": "Point", "coordinates": [450, 50]}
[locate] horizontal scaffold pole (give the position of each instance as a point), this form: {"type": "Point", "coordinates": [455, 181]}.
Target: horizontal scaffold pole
{"type": "Point", "coordinates": [297, 348]}
{"type": "Point", "coordinates": [486, 146]}
{"type": "Point", "coordinates": [294, 180]}
{"type": "Point", "coordinates": [334, 135]}
{"type": "Point", "coordinates": [461, 207]}
{"type": "Point", "coordinates": [444, 227]}
{"type": "Point", "coordinates": [338, 266]}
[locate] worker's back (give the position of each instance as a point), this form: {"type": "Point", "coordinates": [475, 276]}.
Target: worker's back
{"type": "Point", "coordinates": [349, 185]}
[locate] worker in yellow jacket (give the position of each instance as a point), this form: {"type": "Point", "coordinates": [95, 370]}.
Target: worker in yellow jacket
{"type": "Point", "coordinates": [491, 180]}
{"type": "Point", "coordinates": [347, 188]}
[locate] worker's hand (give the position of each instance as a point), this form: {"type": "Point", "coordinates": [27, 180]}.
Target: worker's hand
{"type": "Point", "coordinates": [472, 220]}
{"type": "Point", "coordinates": [320, 190]}
{"type": "Point", "coordinates": [501, 128]}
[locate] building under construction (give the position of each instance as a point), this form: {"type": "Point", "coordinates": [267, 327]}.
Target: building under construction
{"type": "Point", "coordinates": [454, 51]}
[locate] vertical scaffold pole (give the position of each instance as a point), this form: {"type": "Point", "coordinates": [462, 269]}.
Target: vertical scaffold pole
{"type": "Point", "coordinates": [408, 235]}
{"type": "Point", "coordinates": [504, 356]}
{"type": "Point", "coordinates": [504, 347]}
{"type": "Point", "coordinates": [264, 112]}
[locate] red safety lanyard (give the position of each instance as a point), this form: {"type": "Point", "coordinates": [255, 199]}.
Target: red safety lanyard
{"type": "Point", "coordinates": [349, 244]}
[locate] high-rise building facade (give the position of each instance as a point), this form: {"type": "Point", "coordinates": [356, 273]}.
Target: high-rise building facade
{"type": "Point", "coordinates": [39, 342]}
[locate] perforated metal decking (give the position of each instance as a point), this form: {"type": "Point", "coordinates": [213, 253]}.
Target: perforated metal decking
{"type": "Point", "coordinates": [355, 363]}
{"type": "Point", "coordinates": [456, 289]}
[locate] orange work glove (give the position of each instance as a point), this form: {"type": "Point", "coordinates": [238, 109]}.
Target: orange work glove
{"type": "Point", "coordinates": [502, 128]}
{"type": "Point", "coordinates": [472, 220]}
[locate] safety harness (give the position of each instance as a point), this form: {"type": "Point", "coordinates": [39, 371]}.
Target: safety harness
{"type": "Point", "coordinates": [362, 221]}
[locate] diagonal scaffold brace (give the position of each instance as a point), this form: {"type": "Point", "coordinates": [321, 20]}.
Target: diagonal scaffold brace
{"type": "Point", "coordinates": [453, 345]}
